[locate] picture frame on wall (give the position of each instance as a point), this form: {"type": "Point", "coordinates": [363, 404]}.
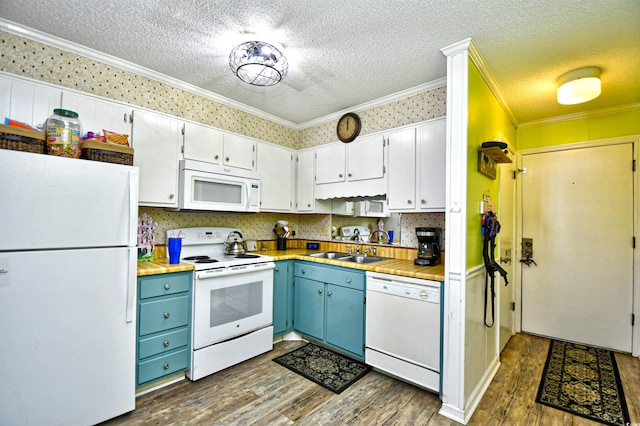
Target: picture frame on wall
{"type": "Point", "coordinates": [486, 165]}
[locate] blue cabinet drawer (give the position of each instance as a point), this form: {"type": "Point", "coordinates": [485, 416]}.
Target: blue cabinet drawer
{"type": "Point", "coordinates": [163, 343]}
{"type": "Point", "coordinates": [164, 284]}
{"type": "Point", "coordinates": [345, 277]}
{"type": "Point", "coordinates": [164, 314]}
{"type": "Point", "coordinates": [162, 366]}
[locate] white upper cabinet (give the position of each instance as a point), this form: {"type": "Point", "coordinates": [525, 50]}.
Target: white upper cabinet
{"type": "Point", "coordinates": [239, 151]}
{"type": "Point", "coordinates": [402, 170]}
{"type": "Point", "coordinates": [275, 167]}
{"type": "Point", "coordinates": [28, 102]}
{"type": "Point", "coordinates": [97, 115]}
{"type": "Point", "coordinates": [431, 144]}
{"type": "Point", "coordinates": [330, 163]}
{"type": "Point", "coordinates": [305, 201]}
{"type": "Point", "coordinates": [202, 143]}
{"type": "Point", "coordinates": [156, 141]}
{"type": "Point", "coordinates": [365, 158]}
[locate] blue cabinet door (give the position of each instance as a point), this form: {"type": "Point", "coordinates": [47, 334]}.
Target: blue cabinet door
{"type": "Point", "coordinates": [345, 318]}
{"type": "Point", "coordinates": [309, 308]}
{"type": "Point", "coordinates": [283, 297]}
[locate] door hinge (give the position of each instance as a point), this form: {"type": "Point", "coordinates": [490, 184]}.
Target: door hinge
{"type": "Point", "coordinates": [633, 319]}
{"type": "Point", "coordinates": [514, 174]}
{"type": "Point", "coordinates": [362, 348]}
{"type": "Point", "coordinates": [364, 300]}
{"type": "Point", "coordinates": [384, 169]}
{"type": "Point", "coordinates": [634, 242]}
{"type": "Point", "coordinates": [182, 149]}
{"type": "Point", "coordinates": [513, 306]}
{"type": "Point", "coordinates": [633, 166]}
{"type": "Point", "coordinates": [182, 130]}
{"type": "Point", "coordinates": [286, 323]}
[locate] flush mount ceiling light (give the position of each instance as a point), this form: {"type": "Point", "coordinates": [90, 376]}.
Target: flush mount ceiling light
{"type": "Point", "coordinates": [579, 86]}
{"type": "Point", "coordinates": [258, 63]}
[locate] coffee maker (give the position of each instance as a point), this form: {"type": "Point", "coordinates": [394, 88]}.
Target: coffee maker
{"type": "Point", "coordinates": [428, 250]}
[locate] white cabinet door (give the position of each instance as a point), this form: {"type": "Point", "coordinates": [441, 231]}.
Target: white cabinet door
{"type": "Point", "coordinates": [330, 163]}
{"type": "Point", "coordinates": [401, 195]}
{"type": "Point", "coordinates": [304, 181]}
{"type": "Point", "coordinates": [202, 143]}
{"type": "Point", "coordinates": [365, 158]}
{"type": "Point", "coordinates": [5, 96]}
{"type": "Point", "coordinates": [97, 115]}
{"type": "Point", "coordinates": [156, 141]}
{"type": "Point", "coordinates": [33, 103]}
{"type": "Point", "coordinates": [239, 151]}
{"type": "Point", "coordinates": [275, 167]}
{"type": "Point", "coordinates": [431, 139]}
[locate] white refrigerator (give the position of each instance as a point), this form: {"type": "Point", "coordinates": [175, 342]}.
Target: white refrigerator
{"type": "Point", "coordinates": [67, 289]}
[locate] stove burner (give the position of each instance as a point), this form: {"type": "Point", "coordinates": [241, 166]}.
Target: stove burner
{"type": "Point", "coordinates": [206, 261]}
{"type": "Point", "coordinates": [196, 258]}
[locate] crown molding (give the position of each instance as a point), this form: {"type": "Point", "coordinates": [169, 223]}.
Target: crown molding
{"type": "Point", "coordinates": [435, 84]}
{"type": "Point", "coordinates": [581, 115]}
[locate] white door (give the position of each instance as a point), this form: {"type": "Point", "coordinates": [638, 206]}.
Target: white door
{"type": "Point", "coordinates": [98, 115]}
{"type": "Point", "coordinates": [506, 216]}
{"type": "Point", "coordinates": [202, 143]}
{"type": "Point", "coordinates": [304, 192]}
{"type": "Point", "coordinates": [578, 209]}
{"type": "Point", "coordinates": [239, 151]}
{"type": "Point", "coordinates": [401, 195]}
{"type": "Point", "coordinates": [330, 163]}
{"type": "Point", "coordinates": [431, 144]}
{"type": "Point", "coordinates": [275, 166]}
{"type": "Point", "coordinates": [365, 158]}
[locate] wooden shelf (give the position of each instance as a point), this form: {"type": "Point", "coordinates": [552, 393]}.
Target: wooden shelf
{"type": "Point", "coordinates": [496, 154]}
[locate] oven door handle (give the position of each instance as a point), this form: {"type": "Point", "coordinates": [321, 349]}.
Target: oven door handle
{"type": "Point", "coordinates": [235, 270]}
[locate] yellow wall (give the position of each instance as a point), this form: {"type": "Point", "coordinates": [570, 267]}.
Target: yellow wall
{"type": "Point", "coordinates": [487, 122]}
{"type": "Point", "coordinates": [592, 127]}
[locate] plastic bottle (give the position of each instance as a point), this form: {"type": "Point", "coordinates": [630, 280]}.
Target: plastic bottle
{"type": "Point", "coordinates": [64, 133]}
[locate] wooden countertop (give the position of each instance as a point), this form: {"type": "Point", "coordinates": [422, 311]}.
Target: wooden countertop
{"type": "Point", "coordinates": [161, 266]}
{"type": "Point", "coordinates": [402, 267]}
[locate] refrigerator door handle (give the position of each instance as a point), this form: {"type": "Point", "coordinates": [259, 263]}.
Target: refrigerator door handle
{"type": "Point", "coordinates": [132, 283]}
{"type": "Point", "coordinates": [133, 206]}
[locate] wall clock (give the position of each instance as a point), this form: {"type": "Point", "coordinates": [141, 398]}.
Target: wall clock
{"type": "Point", "coordinates": [348, 127]}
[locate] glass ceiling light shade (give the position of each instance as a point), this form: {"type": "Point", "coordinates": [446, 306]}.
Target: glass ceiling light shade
{"type": "Point", "coordinates": [579, 86]}
{"type": "Point", "coordinates": [258, 63]}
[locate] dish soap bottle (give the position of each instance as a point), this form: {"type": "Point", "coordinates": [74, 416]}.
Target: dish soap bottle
{"type": "Point", "coordinates": [381, 229]}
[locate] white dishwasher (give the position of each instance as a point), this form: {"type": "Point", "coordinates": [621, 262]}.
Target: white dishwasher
{"type": "Point", "coordinates": [403, 328]}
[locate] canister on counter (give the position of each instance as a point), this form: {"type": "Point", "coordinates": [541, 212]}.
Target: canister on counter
{"type": "Point", "coordinates": [64, 133]}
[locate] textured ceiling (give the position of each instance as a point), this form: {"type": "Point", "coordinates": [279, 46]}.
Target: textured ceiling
{"type": "Point", "coordinates": [346, 53]}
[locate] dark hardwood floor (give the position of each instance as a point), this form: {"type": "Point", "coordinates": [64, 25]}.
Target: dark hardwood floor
{"type": "Point", "coordinates": [261, 392]}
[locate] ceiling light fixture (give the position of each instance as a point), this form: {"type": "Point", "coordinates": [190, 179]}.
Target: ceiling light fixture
{"type": "Point", "coordinates": [579, 86]}
{"type": "Point", "coordinates": [258, 63]}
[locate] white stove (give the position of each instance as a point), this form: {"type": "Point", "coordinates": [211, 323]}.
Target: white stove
{"type": "Point", "coordinates": [204, 248]}
{"type": "Point", "coordinates": [232, 301]}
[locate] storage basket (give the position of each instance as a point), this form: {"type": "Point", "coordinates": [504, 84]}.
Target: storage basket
{"type": "Point", "coordinates": [18, 139]}
{"type": "Point", "coordinates": [107, 153]}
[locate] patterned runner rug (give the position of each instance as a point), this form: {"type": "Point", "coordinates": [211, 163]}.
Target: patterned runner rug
{"type": "Point", "coordinates": [327, 368]}
{"type": "Point", "coordinates": [584, 381]}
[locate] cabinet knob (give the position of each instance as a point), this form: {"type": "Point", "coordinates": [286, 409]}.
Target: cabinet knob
{"type": "Point", "coordinates": [304, 271]}
{"type": "Point", "coordinates": [423, 201]}
{"type": "Point", "coordinates": [216, 157]}
{"type": "Point", "coordinates": [171, 196]}
{"type": "Point", "coordinates": [167, 286]}
{"type": "Point", "coordinates": [409, 201]}
{"type": "Point", "coordinates": [166, 343]}
{"type": "Point", "coordinates": [349, 175]}
{"type": "Point", "coordinates": [226, 159]}
{"type": "Point", "coordinates": [319, 291]}
{"type": "Point", "coordinates": [328, 293]}
{"type": "Point", "coordinates": [340, 175]}
{"type": "Point", "coordinates": [308, 205]}
{"type": "Point", "coordinates": [167, 314]}
{"type": "Point", "coordinates": [277, 269]}
{"type": "Point", "coordinates": [348, 280]}
{"type": "Point", "coordinates": [166, 366]}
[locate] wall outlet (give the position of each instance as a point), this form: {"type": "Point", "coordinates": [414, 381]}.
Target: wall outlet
{"type": "Point", "coordinates": [325, 231]}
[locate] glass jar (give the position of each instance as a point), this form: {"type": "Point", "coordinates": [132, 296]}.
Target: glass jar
{"type": "Point", "coordinates": [64, 133]}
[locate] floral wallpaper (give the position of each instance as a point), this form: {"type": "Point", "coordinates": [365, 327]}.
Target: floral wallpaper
{"type": "Point", "coordinates": [25, 57]}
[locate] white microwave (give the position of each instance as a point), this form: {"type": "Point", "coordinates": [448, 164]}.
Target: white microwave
{"type": "Point", "coordinates": [371, 208]}
{"type": "Point", "coordinates": [205, 186]}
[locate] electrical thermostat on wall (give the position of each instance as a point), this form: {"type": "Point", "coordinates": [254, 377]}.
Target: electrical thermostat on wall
{"type": "Point", "coordinates": [313, 246]}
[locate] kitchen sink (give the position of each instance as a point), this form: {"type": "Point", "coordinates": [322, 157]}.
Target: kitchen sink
{"type": "Point", "coordinates": [345, 257]}
{"type": "Point", "coordinates": [330, 255]}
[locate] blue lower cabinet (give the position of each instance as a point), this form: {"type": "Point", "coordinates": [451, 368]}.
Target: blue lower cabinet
{"type": "Point", "coordinates": [329, 305]}
{"type": "Point", "coordinates": [309, 308]}
{"type": "Point", "coordinates": [164, 326]}
{"type": "Point", "coordinates": [283, 297]}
